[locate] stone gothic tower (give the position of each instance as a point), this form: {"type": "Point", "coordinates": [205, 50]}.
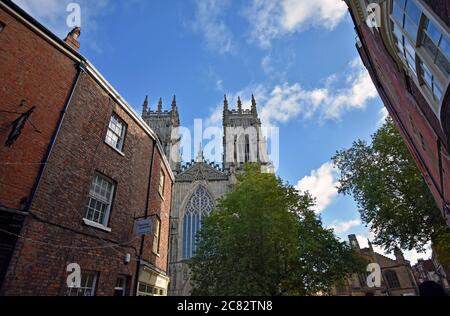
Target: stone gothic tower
{"type": "Point", "coordinates": [165, 124]}
{"type": "Point", "coordinates": [243, 140]}
{"type": "Point", "coordinates": [199, 183]}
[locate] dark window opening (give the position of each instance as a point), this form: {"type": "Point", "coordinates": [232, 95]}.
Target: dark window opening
{"type": "Point", "coordinates": [392, 279]}
{"type": "Point", "coordinates": [247, 148]}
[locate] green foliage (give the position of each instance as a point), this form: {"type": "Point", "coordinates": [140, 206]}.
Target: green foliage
{"type": "Point", "coordinates": [263, 239]}
{"type": "Point", "coordinates": [393, 198]}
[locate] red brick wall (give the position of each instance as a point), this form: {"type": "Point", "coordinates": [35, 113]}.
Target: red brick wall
{"type": "Point", "coordinates": [422, 131]}
{"type": "Point", "coordinates": [34, 71]}
{"type": "Point", "coordinates": [80, 151]}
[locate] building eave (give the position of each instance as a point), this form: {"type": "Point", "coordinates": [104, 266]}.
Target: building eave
{"type": "Point", "coordinates": [64, 48]}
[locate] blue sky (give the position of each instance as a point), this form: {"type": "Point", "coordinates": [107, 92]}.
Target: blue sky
{"type": "Point", "coordinates": [297, 56]}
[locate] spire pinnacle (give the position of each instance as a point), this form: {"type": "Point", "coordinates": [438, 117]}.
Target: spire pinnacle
{"type": "Point", "coordinates": [160, 104]}
{"type": "Point", "coordinates": [145, 105]}
{"type": "Point", "coordinates": [225, 103]}
{"type": "Point", "coordinates": [253, 104]}
{"type": "Point", "coordinates": [200, 153]}
{"type": "Point", "coordinates": [174, 103]}
{"type": "Point", "coordinates": [239, 104]}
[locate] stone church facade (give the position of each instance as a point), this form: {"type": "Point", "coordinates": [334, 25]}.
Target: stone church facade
{"type": "Point", "coordinates": [199, 183]}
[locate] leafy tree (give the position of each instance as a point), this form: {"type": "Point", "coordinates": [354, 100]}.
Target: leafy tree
{"type": "Point", "coordinates": [391, 193]}
{"type": "Point", "coordinates": [264, 239]}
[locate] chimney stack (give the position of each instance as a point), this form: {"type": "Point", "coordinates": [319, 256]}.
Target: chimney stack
{"type": "Point", "coordinates": [72, 38]}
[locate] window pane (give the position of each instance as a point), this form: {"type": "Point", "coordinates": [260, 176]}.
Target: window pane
{"type": "Point", "coordinates": [427, 76]}
{"type": "Point", "coordinates": [400, 3]}
{"type": "Point", "coordinates": [437, 91]}
{"type": "Point", "coordinates": [428, 79]}
{"type": "Point", "coordinates": [445, 47]}
{"type": "Point", "coordinates": [409, 49]}
{"type": "Point", "coordinates": [397, 14]}
{"type": "Point", "coordinates": [428, 44]}
{"type": "Point", "coordinates": [432, 31]}
{"type": "Point", "coordinates": [398, 34]}
{"type": "Point", "coordinates": [411, 28]}
{"type": "Point", "coordinates": [413, 11]}
{"type": "Point", "coordinates": [443, 63]}
{"type": "Point", "coordinates": [411, 62]}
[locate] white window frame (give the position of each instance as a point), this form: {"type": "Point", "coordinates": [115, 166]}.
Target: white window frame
{"type": "Point", "coordinates": [84, 287]}
{"type": "Point", "coordinates": [101, 200]}
{"type": "Point", "coordinates": [156, 235]}
{"type": "Point", "coordinates": [112, 132]}
{"type": "Point", "coordinates": [162, 183]}
{"type": "Point", "coordinates": [150, 290]}
{"type": "Point", "coordinates": [423, 56]}
{"type": "Point", "coordinates": [124, 286]}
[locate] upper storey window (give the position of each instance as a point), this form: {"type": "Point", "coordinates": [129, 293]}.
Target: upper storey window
{"type": "Point", "coordinates": [423, 46]}
{"type": "Point", "coordinates": [437, 46]}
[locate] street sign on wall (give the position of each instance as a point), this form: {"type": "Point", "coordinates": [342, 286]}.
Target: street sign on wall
{"type": "Point", "coordinates": [143, 226]}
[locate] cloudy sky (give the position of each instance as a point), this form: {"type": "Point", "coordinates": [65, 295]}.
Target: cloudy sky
{"type": "Point", "coordinates": [297, 56]}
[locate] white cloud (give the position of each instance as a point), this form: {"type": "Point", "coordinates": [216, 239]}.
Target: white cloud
{"type": "Point", "coordinates": [272, 19]}
{"type": "Point", "coordinates": [321, 183]}
{"type": "Point", "coordinates": [282, 103]}
{"type": "Point", "coordinates": [208, 20]}
{"type": "Point", "coordinates": [344, 226]}
{"type": "Point", "coordinates": [383, 114]}
{"type": "Point", "coordinates": [219, 85]}
{"type": "Point", "coordinates": [43, 9]}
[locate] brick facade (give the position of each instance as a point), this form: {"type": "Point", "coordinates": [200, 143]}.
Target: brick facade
{"type": "Point", "coordinates": [427, 137]}
{"type": "Point", "coordinates": [54, 233]}
{"type": "Point", "coordinates": [26, 60]}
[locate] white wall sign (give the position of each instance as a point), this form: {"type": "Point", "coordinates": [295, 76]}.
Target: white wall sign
{"type": "Point", "coordinates": [143, 226]}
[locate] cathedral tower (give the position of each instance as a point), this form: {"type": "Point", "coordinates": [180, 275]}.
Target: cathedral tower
{"type": "Point", "coordinates": [243, 140]}
{"type": "Point", "coordinates": [165, 124]}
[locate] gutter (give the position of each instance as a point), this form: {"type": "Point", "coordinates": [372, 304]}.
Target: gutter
{"type": "Point", "coordinates": [60, 45]}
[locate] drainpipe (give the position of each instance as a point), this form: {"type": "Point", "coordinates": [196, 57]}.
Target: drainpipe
{"type": "Point", "coordinates": [147, 205]}
{"type": "Point", "coordinates": [169, 250]}
{"type": "Point", "coordinates": [54, 137]}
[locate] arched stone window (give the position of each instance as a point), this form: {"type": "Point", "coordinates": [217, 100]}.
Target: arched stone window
{"type": "Point", "coordinates": [199, 205]}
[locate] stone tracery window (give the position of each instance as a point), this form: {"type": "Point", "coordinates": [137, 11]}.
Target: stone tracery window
{"type": "Point", "coordinates": [199, 205]}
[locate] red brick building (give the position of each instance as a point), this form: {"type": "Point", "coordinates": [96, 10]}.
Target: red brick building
{"type": "Point", "coordinates": [408, 58]}
{"type": "Point", "coordinates": [78, 168]}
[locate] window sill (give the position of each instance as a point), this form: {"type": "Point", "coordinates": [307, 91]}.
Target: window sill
{"type": "Point", "coordinates": [96, 225]}
{"type": "Point", "coordinates": [156, 254]}
{"type": "Point", "coordinates": [115, 149]}
{"type": "Point", "coordinates": [162, 196]}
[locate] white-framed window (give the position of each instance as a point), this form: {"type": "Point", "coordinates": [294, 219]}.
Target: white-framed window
{"type": "Point", "coordinates": [99, 203]}
{"type": "Point", "coordinates": [156, 235]}
{"type": "Point", "coordinates": [88, 285]}
{"type": "Point", "coordinates": [121, 285]}
{"type": "Point", "coordinates": [116, 132]}
{"type": "Point", "coordinates": [424, 48]}
{"type": "Point", "coordinates": [437, 45]}
{"type": "Point", "coordinates": [429, 79]}
{"type": "Point", "coordinates": [162, 181]}
{"type": "Point", "coordinates": [145, 289]}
